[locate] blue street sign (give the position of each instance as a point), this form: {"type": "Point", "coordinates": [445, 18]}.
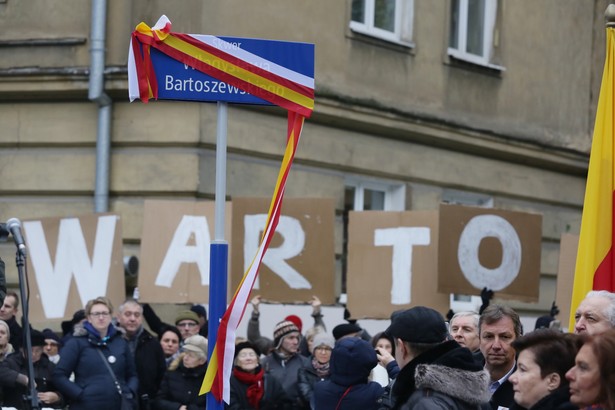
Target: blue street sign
{"type": "Point", "coordinates": [178, 81]}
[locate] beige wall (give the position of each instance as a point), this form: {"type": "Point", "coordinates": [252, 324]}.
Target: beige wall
{"type": "Point", "coordinates": [408, 116]}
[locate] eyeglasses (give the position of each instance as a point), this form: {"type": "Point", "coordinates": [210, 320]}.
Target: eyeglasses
{"type": "Point", "coordinates": [186, 324]}
{"type": "Point", "coordinates": [324, 348]}
{"type": "Point", "coordinates": [99, 314]}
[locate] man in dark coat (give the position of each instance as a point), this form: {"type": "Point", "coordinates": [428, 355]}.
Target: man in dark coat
{"type": "Point", "coordinates": [8, 310]}
{"type": "Point", "coordinates": [434, 371]}
{"type": "Point", "coordinates": [285, 360]}
{"type": "Point", "coordinates": [146, 349]}
{"type": "Point", "coordinates": [499, 326]}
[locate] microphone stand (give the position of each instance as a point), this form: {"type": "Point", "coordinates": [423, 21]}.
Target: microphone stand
{"type": "Point", "coordinates": [31, 400]}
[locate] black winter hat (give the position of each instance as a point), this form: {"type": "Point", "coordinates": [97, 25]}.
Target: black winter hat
{"type": "Point", "coordinates": [345, 329]}
{"type": "Point", "coordinates": [419, 324]}
{"type": "Point", "coordinates": [246, 345]}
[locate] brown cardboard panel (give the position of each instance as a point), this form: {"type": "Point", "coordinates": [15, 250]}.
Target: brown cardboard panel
{"type": "Point", "coordinates": [392, 263]}
{"type": "Point", "coordinates": [175, 247]}
{"type": "Point", "coordinates": [484, 247]}
{"type": "Point", "coordinates": [73, 260]}
{"type": "Point", "coordinates": [301, 250]}
{"type": "Point", "coordinates": [568, 246]}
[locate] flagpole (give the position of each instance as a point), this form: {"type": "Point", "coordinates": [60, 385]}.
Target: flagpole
{"type": "Point", "coordinates": [218, 265]}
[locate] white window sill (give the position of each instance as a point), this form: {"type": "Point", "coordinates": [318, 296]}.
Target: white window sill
{"type": "Point", "coordinates": [380, 35]}
{"type": "Point", "coordinates": [470, 58]}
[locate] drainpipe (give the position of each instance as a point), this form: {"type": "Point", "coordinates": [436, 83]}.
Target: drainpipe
{"type": "Point", "coordinates": [97, 94]}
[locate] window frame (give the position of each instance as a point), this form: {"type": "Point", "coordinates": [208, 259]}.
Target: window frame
{"type": "Point", "coordinates": [489, 27]}
{"type": "Point", "coordinates": [404, 23]}
{"type": "Point", "coordinates": [394, 193]}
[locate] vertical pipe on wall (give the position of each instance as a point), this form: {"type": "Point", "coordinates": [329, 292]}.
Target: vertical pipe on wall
{"type": "Point", "coordinates": [97, 94]}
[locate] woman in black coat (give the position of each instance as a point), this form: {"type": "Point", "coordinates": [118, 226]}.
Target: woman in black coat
{"type": "Point", "coordinates": [180, 386]}
{"type": "Point", "coordinates": [318, 369]}
{"type": "Point", "coordinates": [544, 357]}
{"type": "Point", "coordinates": [96, 342]}
{"type": "Point", "coordinates": [251, 387]}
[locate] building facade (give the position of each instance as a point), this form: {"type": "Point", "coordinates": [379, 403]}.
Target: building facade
{"type": "Point", "coordinates": [418, 102]}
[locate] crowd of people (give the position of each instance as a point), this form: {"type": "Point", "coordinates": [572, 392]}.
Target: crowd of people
{"type": "Point", "coordinates": [107, 359]}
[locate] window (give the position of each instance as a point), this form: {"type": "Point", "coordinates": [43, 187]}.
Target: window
{"type": "Point", "coordinates": [374, 196]}
{"type": "Point", "coordinates": [389, 20]}
{"type": "Point", "coordinates": [472, 31]}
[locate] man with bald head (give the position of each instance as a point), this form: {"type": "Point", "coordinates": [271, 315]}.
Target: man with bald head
{"type": "Point", "coordinates": [596, 313]}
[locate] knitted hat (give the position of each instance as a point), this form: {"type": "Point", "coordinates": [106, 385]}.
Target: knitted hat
{"type": "Point", "coordinates": [322, 339]}
{"type": "Point", "coordinates": [296, 320]}
{"type": "Point", "coordinates": [186, 315]}
{"type": "Point", "coordinates": [283, 329]}
{"type": "Point", "coordinates": [196, 343]}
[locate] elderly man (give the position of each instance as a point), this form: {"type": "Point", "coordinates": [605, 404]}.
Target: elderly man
{"type": "Point", "coordinates": [284, 361]}
{"type": "Point", "coordinates": [499, 326]}
{"type": "Point", "coordinates": [463, 327]}
{"type": "Point", "coordinates": [435, 372]}
{"type": "Point", "coordinates": [188, 323]}
{"type": "Point", "coordinates": [596, 313]}
{"type": "Point", "coordinates": [149, 358]}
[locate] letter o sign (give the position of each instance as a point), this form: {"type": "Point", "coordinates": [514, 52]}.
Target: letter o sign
{"type": "Point", "coordinates": [478, 228]}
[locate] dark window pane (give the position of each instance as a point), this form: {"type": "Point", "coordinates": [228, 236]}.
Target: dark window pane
{"type": "Point", "coordinates": [476, 27]}
{"type": "Point", "coordinates": [373, 200]}
{"type": "Point", "coordinates": [453, 39]}
{"type": "Point", "coordinates": [358, 11]}
{"type": "Point", "coordinates": [384, 15]}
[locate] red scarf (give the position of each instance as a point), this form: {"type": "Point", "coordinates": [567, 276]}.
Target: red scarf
{"type": "Point", "coordinates": [256, 386]}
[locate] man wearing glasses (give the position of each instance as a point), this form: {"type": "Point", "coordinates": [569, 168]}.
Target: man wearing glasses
{"type": "Point", "coordinates": [188, 323]}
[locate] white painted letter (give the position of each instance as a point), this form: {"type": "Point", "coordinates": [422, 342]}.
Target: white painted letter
{"type": "Point", "coordinates": [275, 258]}
{"type": "Point", "coordinates": [180, 252]}
{"type": "Point", "coordinates": [478, 228]}
{"type": "Point", "coordinates": [402, 240]}
{"type": "Point", "coordinates": [71, 259]}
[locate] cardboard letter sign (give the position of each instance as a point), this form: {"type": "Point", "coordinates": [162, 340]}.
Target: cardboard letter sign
{"type": "Point", "coordinates": [496, 249]}
{"type": "Point", "coordinates": [73, 260]}
{"type": "Point", "coordinates": [175, 251]}
{"type": "Point", "coordinates": [300, 261]}
{"type": "Point", "coordinates": [392, 263]}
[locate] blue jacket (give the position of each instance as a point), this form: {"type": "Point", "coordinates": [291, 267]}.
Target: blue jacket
{"type": "Point", "coordinates": [94, 387]}
{"type": "Point", "coordinates": [352, 360]}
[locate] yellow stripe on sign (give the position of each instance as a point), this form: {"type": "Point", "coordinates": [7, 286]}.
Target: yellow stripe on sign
{"type": "Point", "coordinates": [238, 72]}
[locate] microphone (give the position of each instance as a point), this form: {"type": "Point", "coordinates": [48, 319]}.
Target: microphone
{"type": "Point", "coordinates": [14, 226]}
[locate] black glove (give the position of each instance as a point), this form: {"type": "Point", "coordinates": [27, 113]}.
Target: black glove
{"type": "Point", "coordinates": [450, 314]}
{"type": "Point", "coordinates": [554, 310]}
{"type": "Point", "coordinates": [486, 295]}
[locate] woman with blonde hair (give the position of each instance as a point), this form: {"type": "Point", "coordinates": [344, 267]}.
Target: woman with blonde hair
{"type": "Point", "coordinates": [100, 358]}
{"type": "Point", "coordinates": [5, 335]}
